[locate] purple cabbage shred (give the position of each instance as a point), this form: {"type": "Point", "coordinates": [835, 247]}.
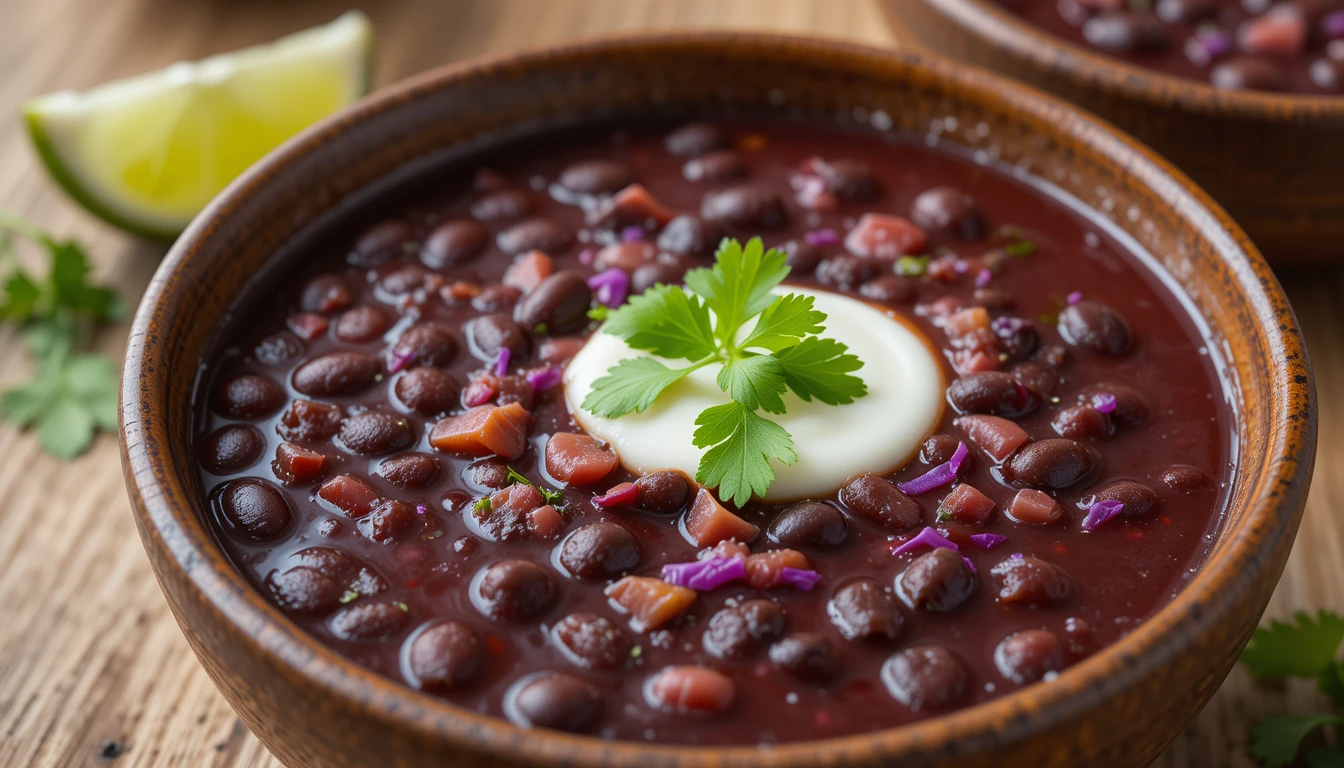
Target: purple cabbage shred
{"type": "Point", "coordinates": [1075, 297]}
{"type": "Point", "coordinates": [1100, 512]}
{"type": "Point", "coordinates": [400, 360]}
{"type": "Point", "coordinates": [705, 575]}
{"type": "Point", "coordinates": [821, 237]}
{"type": "Point", "coordinates": [987, 541]}
{"type": "Point", "coordinates": [543, 378]}
{"type": "Point", "coordinates": [799, 578]}
{"type": "Point", "coordinates": [610, 287]}
{"type": "Point", "coordinates": [938, 476]}
{"type": "Point", "coordinates": [1103, 402]}
{"type": "Point", "coordinates": [925, 538]}
{"type": "Point", "coordinates": [502, 361]}
{"type": "Point", "coordinates": [631, 234]}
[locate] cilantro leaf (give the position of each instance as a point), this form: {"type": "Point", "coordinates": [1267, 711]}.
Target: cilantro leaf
{"type": "Point", "coordinates": [743, 443]}
{"type": "Point", "coordinates": [739, 284]}
{"type": "Point", "coordinates": [822, 368]}
{"type": "Point", "coordinates": [67, 402]}
{"type": "Point", "coordinates": [755, 381]}
{"type": "Point", "coordinates": [1275, 740]}
{"type": "Point", "coordinates": [69, 281]}
{"type": "Point", "coordinates": [550, 495]}
{"type": "Point", "coordinates": [1302, 648]}
{"type": "Point", "coordinates": [19, 296]}
{"type": "Point", "coordinates": [785, 322]}
{"type": "Point", "coordinates": [666, 321]}
{"type": "Point", "coordinates": [631, 385]}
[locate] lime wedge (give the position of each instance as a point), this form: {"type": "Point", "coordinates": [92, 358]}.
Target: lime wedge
{"type": "Point", "coordinates": [147, 153]}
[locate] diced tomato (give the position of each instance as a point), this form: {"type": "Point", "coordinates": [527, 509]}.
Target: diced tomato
{"type": "Point", "coordinates": [296, 464]}
{"type": "Point", "coordinates": [882, 236]}
{"type": "Point", "coordinates": [966, 504]}
{"type": "Point", "coordinates": [349, 494]}
{"type": "Point", "coordinates": [528, 271]}
{"type": "Point", "coordinates": [578, 459]}
{"type": "Point", "coordinates": [459, 291]}
{"type": "Point", "coordinates": [308, 325]}
{"type": "Point", "coordinates": [545, 522]}
{"type": "Point", "coordinates": [691, 689]}
{"type": "Point", "coordinates": [994, 435]}
{"type": "Point", "coordinates": [763, 568]}
{"type": "Point", "coordinates": [490, 429]}
{"type": "Point", "coordinates": [968, 361]}
{"type": "Point", "coordinates": [1034, 507]}
{"type": "Point", "coordinates": [650, 602]}
{"type": "Point", "coordinates": [633, 205]}
{"type": "Point", "coordinates": [708, 522]}
{"type": "Point", "coordinates": [964, 322]}
{"type": "Point", "coordinates": [508, 515]}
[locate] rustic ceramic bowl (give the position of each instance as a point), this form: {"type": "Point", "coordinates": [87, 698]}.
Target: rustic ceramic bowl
{"type": "Point", "coordinates": [314, 708]}
{"type": "Point", "coordinates": [1274, 161]}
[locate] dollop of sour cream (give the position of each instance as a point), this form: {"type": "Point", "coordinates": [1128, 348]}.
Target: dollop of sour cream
{"type": "Point", "coordinates": [879, 432]}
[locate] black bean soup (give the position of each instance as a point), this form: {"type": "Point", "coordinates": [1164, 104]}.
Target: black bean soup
{"type": "Point", "coordinates": [359, 428]}
{"type": "Point", "coordinates": [1293, 46]}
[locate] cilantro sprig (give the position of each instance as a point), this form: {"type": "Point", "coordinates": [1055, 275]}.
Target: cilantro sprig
{"type": "Point", "coordinates": [1307, 647]}
{"type": "Point", "coordinates": [73, 394]}
{"type": "Point", "coordinates": [704, 326]}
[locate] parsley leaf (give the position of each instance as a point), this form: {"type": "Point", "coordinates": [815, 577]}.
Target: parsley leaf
{"type": "Point", "coordinates": [666, 321]}
{"type": "Point", "coordinates": [743, 443]}
{"type": "Point", "coordinates": [822, 368]}
{"type": "Point", "coordinates": [785, 322]}
{"type": "Point", "coordinates": [68, 400]}
{"type": "Point", "coordinates": [755, 381]}
{"type": "Point", "coordinates": [1302, 648]}
{"type": "Point", "coordinates": [739, 285]}
{"type": "Point", "coordinates": [631, 385]}
{"type": "Point", "coordinates": [1275, 740]}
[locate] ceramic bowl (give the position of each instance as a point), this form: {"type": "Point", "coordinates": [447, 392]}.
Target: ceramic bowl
{"type": "Point", "coordinates": [314, 708]}
{"type": "Point", "coordinates": [1272, 160]}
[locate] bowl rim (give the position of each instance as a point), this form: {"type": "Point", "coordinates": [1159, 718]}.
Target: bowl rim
{"type": "Point", "coordinates": [167, 514]}
{"type": "Point", "coordinates": [1098, 71]}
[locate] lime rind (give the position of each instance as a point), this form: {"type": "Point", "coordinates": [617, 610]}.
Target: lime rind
{"type": "Point", "coordinates": [147, 153]}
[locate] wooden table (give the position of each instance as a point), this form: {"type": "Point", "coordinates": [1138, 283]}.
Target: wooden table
{"type": "Point", "coordinates": [92, 665]}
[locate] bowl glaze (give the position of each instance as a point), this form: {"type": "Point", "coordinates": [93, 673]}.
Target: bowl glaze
{"type": "Point", "coordinates": [1274, 161]}
{"type": "Point", "coordinates": [312, 707]}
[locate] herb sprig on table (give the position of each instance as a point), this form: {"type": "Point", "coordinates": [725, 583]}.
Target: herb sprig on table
{"type": "Point", "coordinates": [1307, 647]}
{"type": "Point", "coordinates": [784, 351]}
{"type": "Point", "coordinates": [72, 393]}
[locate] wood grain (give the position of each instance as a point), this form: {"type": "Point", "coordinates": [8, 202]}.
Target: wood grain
{"type": "Point", "coordinates": [90, 656]}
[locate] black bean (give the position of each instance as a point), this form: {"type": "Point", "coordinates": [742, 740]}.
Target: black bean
{"type": "Point", "coordinates": [554, 700]}
{"type": "Point", "coordinates": [938, 449]}
{"type": "Point", "coordinates": [948, 212]}
{"type": "Point", "coordinates": [496, 298]}
{"type": "Point", "coordinates": [405, 279]}
{"type": "Point", "coordinates": [1026, 656]}
{"type": "Point", "coordinates": [387, 520]}
{"type": "Point", "coordinates": [304, 589]}
{"type": "Point", "coordinates": [426, 391]}
{"type": "Point", "coordinates": [937, 580]}
{"type": "Point", "coordinates": [802, 257]}
{"type": "Point", "coordinates": [442, 655]}
{"type": "Point", "coordinates": [559, 303]}
{"type": "Point", "coordinates": [992, 392]}
{"type": "Point", "coordinates": [850, 180]}
{"type": "Point", "coordinates": [1054, 464]}
{"type": "Point", "coordinates": [738, 631]}
{"type": "Point", "coordinates": [410, 470]}
{"type": "Point", "coordinates": [695, 139]}
{"type": "Point", "coordinates": [880, 502]}
{"type": "Point", "coordinates": [488, 334]}
{"type": "Point", "coordinates": [325, 294]}
{"type": "Point", "coordinates": [307, 421]}
{"type": "Point", "coordinates": [1032, 582]}
{"type": "Point", "coordinates": [252, 508]}
{"type": "Point", "coordinates": [249, 396]}
{"type": "Point", "coordinates": [374, 433]}
{"type": "Point", "coordinates": [690, 235]}
{"type": "Point", "coordinates": [659, 272]}
{"type": "Point", "coordinates": [363, 622]}
{"type": "Point", "coordinates": [845, 273]}
{"type": "Point", "coordinates": [502, 205]}
{"type": "Point", "coordinates": [1039, 378]}
{"type": "Point", "coordinates": [925, 677]}
{"type": "Point", "coordinates": [429, 344]}
{"type": "Point", "coordinates": [592, 642]}
{"type": "Point", "coordinates": [863, 610]}
{"type": "Point", "coordinates": [278, 348]}
{"type": "Point", "coordinates": [454, 243]}
{"type": "Point", "coordinates": [1139, 499]}
{"type": "Point", "coordinates": [380, 242]}
{"type": "Point", "coordinates": [722, 165]}
{"type": "Point", "coordinates": [1248, 73]}
{"type": "Point", "coordinates": [595, 177]}
{"type": "Point", "coordinates": [599, 551]}
{"type": "Point", "coordinates": [1081, 422]}
{"type": "Point", "coordinates": [1095, 326]}
{"type": "Point", "coordinates": [361, 324]}
{"type": "Point", "coordinates": [753, 207]}
{"type": "Point", "coordinates": [1184, 478]}
{"type": "Point", "coordinates": [336, 373]}
{"type": "Point", "coordinates": [1185, 11]}
{"type": "Point", "coordinates": [513, 589]}
{"type": "Point", "coordinates": [809, 525]}
{"type": "Point", "coordinates": [806, 656]}
{"type": "Point", "coordinates": [1327, 74]}
{"type": "Point", "coordinates": [1122, 32]}
{"type": "Point", "coordinates": [231, 449]}
{"type": "Point", "coordinates": [888, 289]}
{"type": "Point", "coordinates": [664, 491]}
{"type": "Point", "coordinates": [534, 235]}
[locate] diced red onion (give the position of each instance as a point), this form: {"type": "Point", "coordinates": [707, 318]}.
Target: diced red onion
{"type": "Point", "coordinates": [987, 541]}
{"type": "Point", "coordinates": [421, 509]}
{"type": "Point", "coordinates": [1006, 327]}
{"type": "Point", "coordinates": [479, 393]}
{"type": "Point", "coordinates": [970, 566]}
{"type": "Point", "coordinates": [1075, 297]}
{"type": "Point", "coordinates": [586, 256]}
{"type": "Point", "coordinates": [925, 538]}
{"type": "Point", "coordinates": [631, 234]}
{"type": "Point", "coordinates": [610, 287]}
{"type": "Point", "coordinates": [1017, 556]}
{"type": "Point", "coordinates": [961, 267]}
{"type": "Point", "coordinates": [502, 361]}
{"type": "Point", "coordinates": [1100, 512]}
{"type": "Point", "coordinates": [543, 378]}
{"type": "Point", "coordinates": [938, 476]}
{"type": "Point", "coordinates": [1103, 402]}
{"type": "Point", "coordinates": [1208, 44]}
{"type": "Point", "coordinates": [619, 495]}
{"type": "Point", "coordinates": [983, 278]}
{"type": "Point", "coordinates": [705, 575]}
{"type": "Point", "coordinates": [799, 578]}
{"type": "Point", "coordinates": [1333, 24]}
{"type": "Point", "coordinates": [400, 360]}
{"type": "Point", "coordinates": [821, 237]}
